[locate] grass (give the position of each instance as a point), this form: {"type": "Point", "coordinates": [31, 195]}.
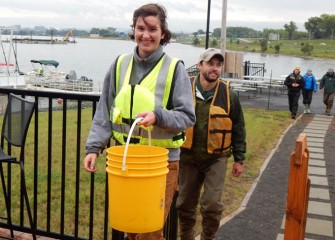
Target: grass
{"type": "Point", "coordinates": [259, 145]}
{"type": "Point", "coordinates": [323, 48]}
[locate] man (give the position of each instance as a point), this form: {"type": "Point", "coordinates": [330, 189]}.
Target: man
{"type": "Point", "coordinates": [294, 82]}
{"type": "Point", "coordinates": [328, 84]}
{"type": "Point", "coordinates": [218, 132]}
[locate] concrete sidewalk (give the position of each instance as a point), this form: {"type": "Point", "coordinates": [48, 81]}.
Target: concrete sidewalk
{"type": "Point", "coordinates": [262, 213]}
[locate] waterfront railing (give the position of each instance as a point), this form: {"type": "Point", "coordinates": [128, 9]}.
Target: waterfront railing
{"type": "Point", "coordinates": [66, 201]}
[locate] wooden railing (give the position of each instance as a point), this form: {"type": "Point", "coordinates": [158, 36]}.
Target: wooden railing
{"type": "Point", "coordinates": [298, 191]}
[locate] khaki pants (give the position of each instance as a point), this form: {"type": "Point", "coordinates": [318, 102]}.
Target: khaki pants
{"type": "Point", "coordinates": [191, 180]}
{"type": "Point", "coordinates": [328, 99]}
{"type": "Point", "coordinates": [171, 188]}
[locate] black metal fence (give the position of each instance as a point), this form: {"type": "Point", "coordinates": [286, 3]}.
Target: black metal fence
{"type": "Point", "coordinates": [67, 202]}
{"type": "Point", "coordinates": [254, 69]}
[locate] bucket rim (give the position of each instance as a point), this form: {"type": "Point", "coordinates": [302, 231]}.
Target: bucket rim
{"type": "Point", "coordinates": [164, 150]}
{"type": "Point", "coordinates": [125, 174]}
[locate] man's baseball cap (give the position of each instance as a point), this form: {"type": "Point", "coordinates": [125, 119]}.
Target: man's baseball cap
{"type": "Point", "coordinates": [209, 53]}
{"type": "Point", "coordinates": [330, 70]}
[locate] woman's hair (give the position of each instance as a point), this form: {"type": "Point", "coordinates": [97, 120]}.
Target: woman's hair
{"type": "Point", "coordinates": [156, 10]}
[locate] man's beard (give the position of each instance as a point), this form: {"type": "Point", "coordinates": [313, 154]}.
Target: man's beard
{"type": "Point", "coordinates": [209, 79]}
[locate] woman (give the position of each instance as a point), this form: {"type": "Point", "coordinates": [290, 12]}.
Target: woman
{"type": "Point", "coordinates": [163, 89]}
{"type": "Point", "coordinates": [294, 82]}
{"type": "Point", "coordinates": [308, 89]}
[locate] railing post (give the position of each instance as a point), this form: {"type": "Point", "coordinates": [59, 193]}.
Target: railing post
{"type": "Point", "coordinates": [298, 191]}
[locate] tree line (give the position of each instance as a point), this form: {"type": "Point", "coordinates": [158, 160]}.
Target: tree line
{"type": "Point", "coordinates": [317, 28]}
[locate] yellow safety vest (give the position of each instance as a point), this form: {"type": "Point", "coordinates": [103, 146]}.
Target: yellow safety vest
{"type": "Point", "coordinates": [219, 124]}
{"type": "Point", "coordinates": [150, 93]}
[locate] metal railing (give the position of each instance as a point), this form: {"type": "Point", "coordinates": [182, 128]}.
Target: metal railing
{"type": "Point", "coordinates": [63, 207]}
{"type": "Point", "coordinates": [254, 69]}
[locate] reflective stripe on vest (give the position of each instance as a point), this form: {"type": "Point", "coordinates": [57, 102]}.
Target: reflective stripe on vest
{"type": "Point", "coordinates": [219, 123]}
{"type": "Point", "coordinates": [150, 93]}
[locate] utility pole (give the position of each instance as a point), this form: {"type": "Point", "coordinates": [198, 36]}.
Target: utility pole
{"type": "Point", "coordinates": [223, 29]}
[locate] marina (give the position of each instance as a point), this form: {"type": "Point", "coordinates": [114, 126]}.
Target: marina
{"type": "Point", "coordinates": [93, 57]}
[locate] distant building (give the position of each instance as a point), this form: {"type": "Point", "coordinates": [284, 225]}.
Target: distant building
{"type": "Point", "coordinates": [40, 30]}
{"type": "Point", "coordinates": [274, 37]}
{"type": "Point", "coordinates": [94, 35]}
{"type": "Point", "coordinates": [17, 27]}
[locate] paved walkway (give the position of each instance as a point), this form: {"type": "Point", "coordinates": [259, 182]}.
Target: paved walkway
{"type": "Point", "coordinates": [262, 213]}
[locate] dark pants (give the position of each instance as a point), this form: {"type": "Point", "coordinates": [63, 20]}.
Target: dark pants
{"type": "Point", "coordinates": [293, 101]}
{"type": "Point", "coordinates": [191, 180]}
{"type": "Point", "coordinates": [307, 95]}
{"type": "Point", "coordinates": [328, 99]}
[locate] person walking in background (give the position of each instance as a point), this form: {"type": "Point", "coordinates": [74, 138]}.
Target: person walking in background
{"type": "Point", "coordinates": [219, 131]}
{"type": "Point", "coordinates": [308, 89]}
{"type": "Point", "coordinates": [327, 83]}
{"type": "Point", "coordinates": [294, 82]}
{"type": "Point", "coordinates": [146, 84]}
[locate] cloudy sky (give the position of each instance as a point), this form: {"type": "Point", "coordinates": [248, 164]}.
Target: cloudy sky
{"type": "Point", "coordinates": [183, 16]}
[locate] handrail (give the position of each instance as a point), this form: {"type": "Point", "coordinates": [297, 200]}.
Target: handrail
{"type": "Point", "coordinates": [298, 191]}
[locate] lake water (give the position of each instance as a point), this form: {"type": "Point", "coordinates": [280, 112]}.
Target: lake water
{"type": "Point", "coordinates": [92, 57]}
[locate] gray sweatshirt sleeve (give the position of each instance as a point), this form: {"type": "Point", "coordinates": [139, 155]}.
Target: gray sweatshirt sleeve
{"type": "Point", "coordinates": [101, 128]}
{"type": "Point", "coordinates": [182, 115]}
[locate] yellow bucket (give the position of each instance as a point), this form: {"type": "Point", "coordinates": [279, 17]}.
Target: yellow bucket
{"type": "Point", "coordinates": [136, 187]}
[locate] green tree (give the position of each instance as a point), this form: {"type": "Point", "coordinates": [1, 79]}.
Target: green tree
{"type": "Point", "coordinates": [196, 41]}
{"type": "Point", "coordinates": [242, 32]}
{"type": "Point", "coordinates": [290, 28]}
{"type": "Point", "coordinates": [199, 32]}
{"type": "Point", "coordinates": [307, 48]}
{"type": "Point", "coordinates": [217, 33]}
{"type": "Point", "coordinates": [314, 26]}
{"type": "Point", "coordinates": [277, 48]}
{"type": "Point", "coordinates": [95, 31]}
{"type": "Point", "coordinates": [328, 24]}
{"type": "Point", "coordinates": [264, 45]}
{"type": "Point", "coordinates": [214, 42]}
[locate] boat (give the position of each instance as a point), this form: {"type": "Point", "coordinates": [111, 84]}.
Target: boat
{"type": "Point", "coordinates": [45, 74]}
{"type": "Point", "coordinates": [10, 74]}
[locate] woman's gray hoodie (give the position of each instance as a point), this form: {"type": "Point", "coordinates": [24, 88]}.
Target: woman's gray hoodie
{"type": "Point", "coordinates": [178, 119]}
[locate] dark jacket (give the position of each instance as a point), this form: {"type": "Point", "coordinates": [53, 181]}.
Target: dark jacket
{"type": "Point", "coordinates": [328, 83]}
{"type": "Point", "coordinates": [292, 78]}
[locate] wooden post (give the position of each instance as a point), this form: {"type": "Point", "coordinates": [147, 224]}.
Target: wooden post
{"type": "Point", "coordinates": [298, 191]}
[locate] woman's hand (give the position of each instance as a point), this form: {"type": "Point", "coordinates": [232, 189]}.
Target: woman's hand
{"type": "Point", "coordinates": [89, 162]}
{"type": "Point", "coordinates": [149, 119]}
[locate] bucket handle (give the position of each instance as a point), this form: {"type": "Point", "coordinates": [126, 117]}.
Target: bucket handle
{"type": "Point", "coordinates": [128, 140]}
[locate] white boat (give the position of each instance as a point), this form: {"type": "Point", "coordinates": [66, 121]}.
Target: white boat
{"type": "Point", "coordinates": [47, 75]}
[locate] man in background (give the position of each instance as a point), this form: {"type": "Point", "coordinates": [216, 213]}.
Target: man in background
{"type": "Point", "coordinates": [327, 83]}
{"type": "Point", "coordinates": [219, 131]}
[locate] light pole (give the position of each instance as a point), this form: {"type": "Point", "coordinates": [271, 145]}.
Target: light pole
{"type": "Point", "coordinates": [223, 29]}
{"type": "Point", "coordinates": [208, 20]}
